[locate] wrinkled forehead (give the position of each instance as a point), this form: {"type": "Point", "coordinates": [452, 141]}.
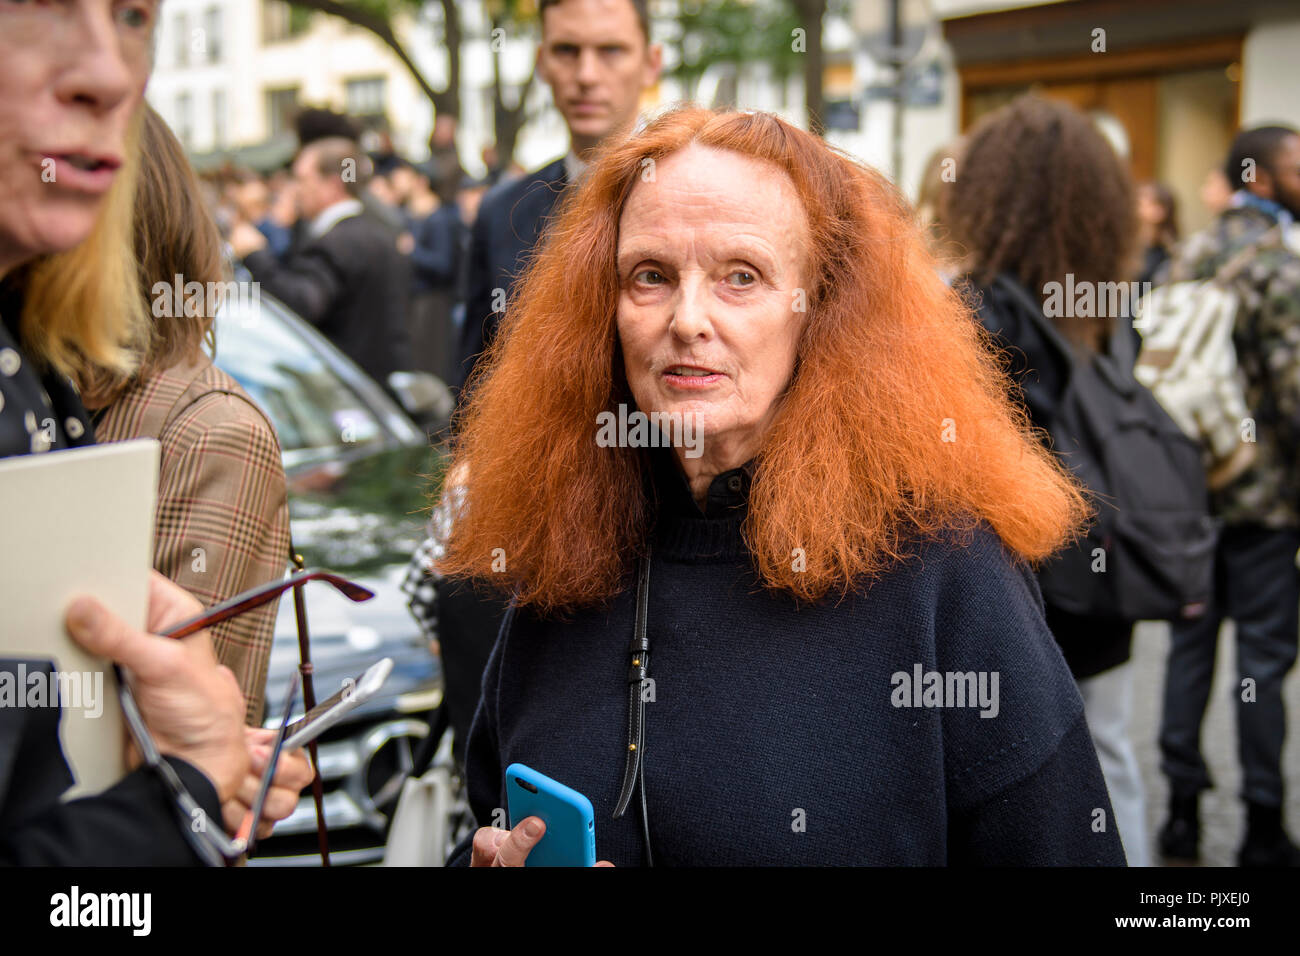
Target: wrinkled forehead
{"type": "Point", "coordinates": [703, 187]}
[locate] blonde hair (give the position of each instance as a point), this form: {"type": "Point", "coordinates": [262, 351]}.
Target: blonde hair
{"type": "Point", "coordinates": [174, 234]}
{"type": "Point", "coordinates": [82, 311]}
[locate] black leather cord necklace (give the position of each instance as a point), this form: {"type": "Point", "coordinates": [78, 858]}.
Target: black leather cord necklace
{"type": "Point", "coordinates": [634, 770]}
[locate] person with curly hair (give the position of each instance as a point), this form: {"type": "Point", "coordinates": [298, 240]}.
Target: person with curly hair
{"type": "Point", "coordinates": [1042, 201]}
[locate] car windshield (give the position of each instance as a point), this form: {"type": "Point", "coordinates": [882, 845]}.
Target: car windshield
{"type": "Point", "coordinates": [309, 404]}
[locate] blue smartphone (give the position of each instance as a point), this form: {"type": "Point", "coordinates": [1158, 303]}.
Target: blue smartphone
{"type": "Point", "coordinates": [570, 838]}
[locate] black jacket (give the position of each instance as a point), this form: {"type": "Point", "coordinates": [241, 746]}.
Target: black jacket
{"type": "Point", "coordinates": [133, 822]}
{"type": "Point", "coordinates": [438, 256]}
{"type": "Point", "coordinates": [1090, 644]}
{"type": "Point", "coordinates": [510, 222]}
{"type": "Point", "coordinates": [353, 285]}
{"type": "Point", "coordinates": [1036, 367]}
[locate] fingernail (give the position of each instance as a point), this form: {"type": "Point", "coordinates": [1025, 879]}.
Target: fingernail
{"type": "Point", "coordinates": [79, 617]}
{"type": "Point", "coordinates": [533, 829]}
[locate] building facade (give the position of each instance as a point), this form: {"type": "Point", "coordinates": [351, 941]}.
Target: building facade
{"type": "Point", "coordinates": [1173, 78]}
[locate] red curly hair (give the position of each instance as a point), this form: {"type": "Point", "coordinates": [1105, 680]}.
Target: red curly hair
{"type": "Point", "coordinates": [897, 419]}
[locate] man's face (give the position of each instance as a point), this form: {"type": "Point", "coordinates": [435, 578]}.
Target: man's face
{"type": "Point", "coordinates": [596, 61]}
{"type": "Point", "coordinates": [1285, 175]}
{"type": "Point", "coordinates": [315, 193]}
{"type": "Point", "coordinates": [251, 199]}
{"type": "Point", "coordinates": [469, 200]}
{"type": "Point", "coordinates": [403, 181]}
{"type": "Point", "coordinates": [72, 75]}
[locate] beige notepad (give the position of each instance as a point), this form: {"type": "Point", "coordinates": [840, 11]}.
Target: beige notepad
{"type": "Point", "coordinates": [75, 522]}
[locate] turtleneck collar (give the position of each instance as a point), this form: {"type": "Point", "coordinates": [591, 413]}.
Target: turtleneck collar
{"type": "Point", "coordinates": [683, 530]}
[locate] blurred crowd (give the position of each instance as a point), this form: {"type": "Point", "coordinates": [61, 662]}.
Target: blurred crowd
{"type": "Point", "coordinates": [426, 208]}
{"type": "Point", "coordinates": [1173, 414]}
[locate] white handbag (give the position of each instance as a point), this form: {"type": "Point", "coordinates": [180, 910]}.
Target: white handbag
{"type": "Point", "coordinates": [428, 809]}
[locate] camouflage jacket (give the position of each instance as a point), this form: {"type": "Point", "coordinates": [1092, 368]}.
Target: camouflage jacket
{"type": "Point", "coordinates": [1267, 340]}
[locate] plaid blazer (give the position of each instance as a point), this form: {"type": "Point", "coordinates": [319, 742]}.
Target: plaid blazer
{"type": "Point", "coordinates": [222, 521]}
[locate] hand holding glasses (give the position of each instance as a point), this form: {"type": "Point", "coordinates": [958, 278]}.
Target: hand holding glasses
{"type": "Point", "coordinates": [208, 839]}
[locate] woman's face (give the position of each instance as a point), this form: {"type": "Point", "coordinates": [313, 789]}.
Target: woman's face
{"type": "Point", "coordinates": [72, 73]}
{"type": "Point", "coordinates": [1150, 210]}
{"type": "Point", "coordinates": [711, 261]}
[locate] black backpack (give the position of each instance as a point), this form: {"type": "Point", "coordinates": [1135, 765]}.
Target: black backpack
{"type": "Point", "coordinates": [1149, 551]}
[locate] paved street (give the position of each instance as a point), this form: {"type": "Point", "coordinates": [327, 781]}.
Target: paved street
{"type": "Point", "coordinates": [1222, 813]}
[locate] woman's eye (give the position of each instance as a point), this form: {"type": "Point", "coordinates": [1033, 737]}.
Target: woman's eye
{"type": "Point", "coordinates": [649, 276]}
{"type": "Point", "coordinates": [742, 277]}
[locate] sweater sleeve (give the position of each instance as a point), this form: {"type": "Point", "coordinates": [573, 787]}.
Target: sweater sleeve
{"type": "Point", "coordinates": [1059, 815]}
{"type": "Point", "coordinates": [308, 282]}
{"type": "Point", "coordinates": [483, 768]}
{"type": "Point", "coordinates": [1023, 783]}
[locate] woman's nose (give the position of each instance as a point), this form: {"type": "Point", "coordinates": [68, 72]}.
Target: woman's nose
{"type": "Point", "coordinates": [97, 73]}
{"type": "Point", "coordinates": [691, 306]}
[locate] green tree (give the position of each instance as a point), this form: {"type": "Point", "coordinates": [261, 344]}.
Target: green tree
{"type": "Point", "coordinates": [811, 14]}
{"type": "Point", "coordinates": [379, 16]}
{"type": "Point", "coordinates": [505, 17]}
{"type": "Point", "coordinates": [785, 34]}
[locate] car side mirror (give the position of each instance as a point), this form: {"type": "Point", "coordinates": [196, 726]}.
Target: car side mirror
{"type": "Point", "coordinates": [425, 397]}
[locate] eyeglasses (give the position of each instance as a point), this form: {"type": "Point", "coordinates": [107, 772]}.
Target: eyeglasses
{"type": "Point", "coordinates": [206, 837]}
{"type": "Point", "coordinates": [256, 597]}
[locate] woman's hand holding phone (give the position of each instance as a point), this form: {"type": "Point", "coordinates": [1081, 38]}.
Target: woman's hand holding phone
{"type": "Point", "coordinates": [496, 847]}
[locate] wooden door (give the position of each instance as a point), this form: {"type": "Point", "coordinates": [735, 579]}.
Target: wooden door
{"type": "Point", "coordinates": [1130, 100]}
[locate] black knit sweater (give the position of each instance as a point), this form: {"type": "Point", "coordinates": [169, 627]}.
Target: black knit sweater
{"type": "Point", "coordinates": [785, 734]}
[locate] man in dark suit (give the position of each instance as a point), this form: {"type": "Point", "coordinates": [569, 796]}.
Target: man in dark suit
{"type": "Point", "coordinates": [347, 276]}
{"type": "Point", "coordinates": [597, 57]}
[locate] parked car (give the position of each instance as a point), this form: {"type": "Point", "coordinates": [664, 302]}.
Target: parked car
{"type": "Point", "coordinates": [359, 473]}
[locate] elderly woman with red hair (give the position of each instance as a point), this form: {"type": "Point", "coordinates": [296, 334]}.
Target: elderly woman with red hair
{"type": "Point", "coordinates": [784, 615]}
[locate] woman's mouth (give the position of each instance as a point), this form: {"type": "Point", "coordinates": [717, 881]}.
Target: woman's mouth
{"type": "Point", "coordinates": [84, 172]}
{"type": "Point", "coordinates": [691, 376]}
